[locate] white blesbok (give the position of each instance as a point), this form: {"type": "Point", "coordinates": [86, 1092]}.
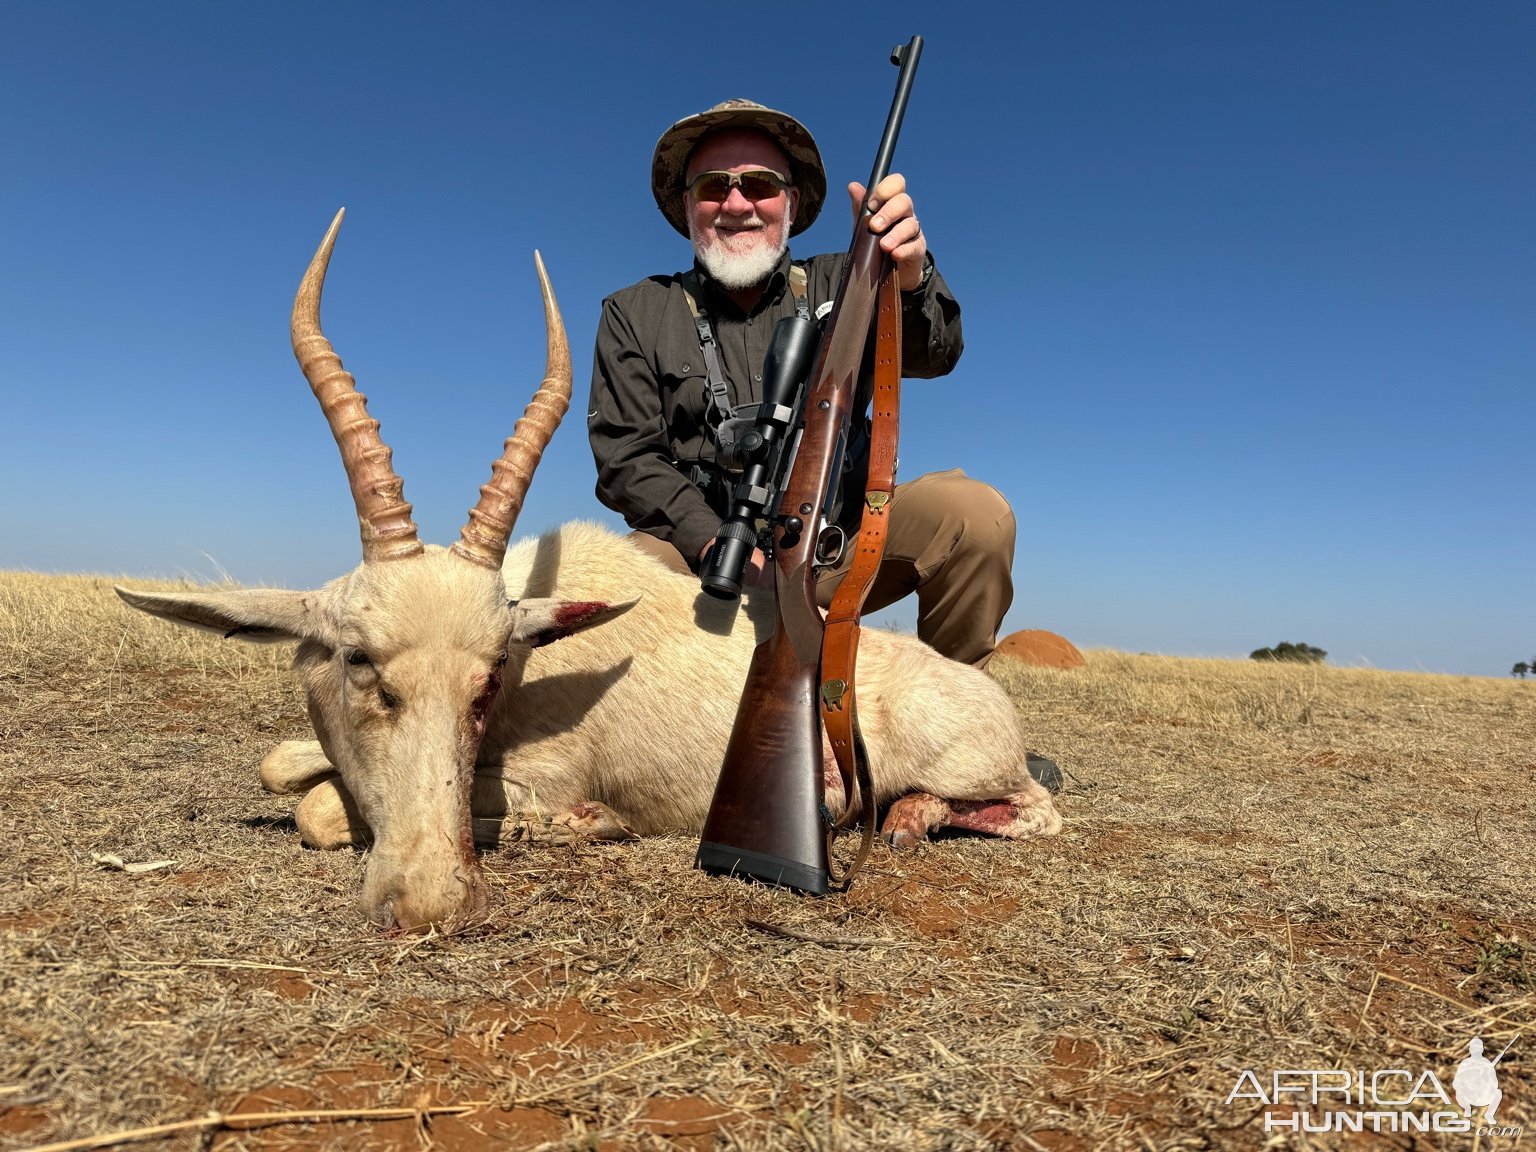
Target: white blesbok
{"type": "Point", "coordinates": [434, 687]}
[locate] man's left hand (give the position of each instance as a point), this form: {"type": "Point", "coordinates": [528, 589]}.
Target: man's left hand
{"type": "Point", "coordinates": [901, 236]}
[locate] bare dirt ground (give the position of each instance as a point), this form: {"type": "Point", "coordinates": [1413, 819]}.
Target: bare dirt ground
{"type": "Point", "coordinates": [1263, 868]}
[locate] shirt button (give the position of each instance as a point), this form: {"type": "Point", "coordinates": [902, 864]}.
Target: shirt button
{"type": "Point", "coordinates": [687, 368]}
{"type": "Point", "coordinates": [758, 376]}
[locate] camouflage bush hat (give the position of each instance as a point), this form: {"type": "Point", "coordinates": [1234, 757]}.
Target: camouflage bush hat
{"type": "Point", "coordinates": [669, 164]}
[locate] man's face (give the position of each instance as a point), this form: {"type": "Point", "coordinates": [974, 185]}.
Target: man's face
{"type": "Point", "coordinates": [739, 241]}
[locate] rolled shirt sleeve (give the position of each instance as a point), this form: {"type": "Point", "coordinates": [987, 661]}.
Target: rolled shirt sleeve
{"type": "Point", "coordinates": [931, 340]}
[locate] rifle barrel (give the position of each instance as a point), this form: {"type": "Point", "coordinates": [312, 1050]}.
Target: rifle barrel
{"type": "Point", "coordinates": [1507, 1047]}
{"type": "Point", "coordinates": [906, 58]}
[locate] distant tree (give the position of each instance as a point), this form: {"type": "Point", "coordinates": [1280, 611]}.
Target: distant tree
{"type": "Point", "coordinates": [1520, 669]}
{"type": "Point", "coordinates": [1293, 653]}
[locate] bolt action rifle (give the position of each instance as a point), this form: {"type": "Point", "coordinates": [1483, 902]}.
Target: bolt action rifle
{"type": "Point", "coordinates": [769, 818]}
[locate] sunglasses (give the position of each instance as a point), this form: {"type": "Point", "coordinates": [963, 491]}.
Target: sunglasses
{"type": "Point", "coordinates": [757, 184]}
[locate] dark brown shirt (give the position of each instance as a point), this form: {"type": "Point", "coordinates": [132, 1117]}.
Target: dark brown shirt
{"type": "Point", "coordinates": [646, 419]}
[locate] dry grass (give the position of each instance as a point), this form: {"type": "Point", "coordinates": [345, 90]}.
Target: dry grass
{"type": "Point", "coordinates": [1263, 867]}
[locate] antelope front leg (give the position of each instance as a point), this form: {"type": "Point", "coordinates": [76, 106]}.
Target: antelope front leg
{"type": "Point", "coordinates": [503, 810]}
{"type": "Point", "coordinates": [507, 809]}
{"type": "Point", "coordinates": [326, 815]}
{"type": "Point", "coordinates": [328, 819]}
{"type": "Point", "coordinates": [587, 820]}
{"type": "Point", "coordinates": [294, 766]}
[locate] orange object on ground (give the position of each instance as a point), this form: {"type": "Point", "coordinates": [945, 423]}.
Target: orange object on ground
{"type": "Point", "coordinates": [1043, 648]}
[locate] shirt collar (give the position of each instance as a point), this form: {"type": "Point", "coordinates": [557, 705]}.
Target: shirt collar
{"type": "Point", "coordinates": [773, 292]}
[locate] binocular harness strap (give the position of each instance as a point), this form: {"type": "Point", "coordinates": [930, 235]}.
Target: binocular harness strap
{"type": "Point", "coordinates": [719, 394]}
{"type": "Point", "coordinates": [840, 640]}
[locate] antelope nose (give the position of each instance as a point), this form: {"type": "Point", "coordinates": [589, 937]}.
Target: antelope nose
{"type": "Point", "coordinates": [407, 915]}
{"type": "Point", "coordinates": [466, 897]}
{"type": "Point", "coordinates": [394, 907]}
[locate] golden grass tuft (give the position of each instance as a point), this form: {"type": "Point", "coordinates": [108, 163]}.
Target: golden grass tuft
{"type": "Point", "coordinates": [1263, 867]}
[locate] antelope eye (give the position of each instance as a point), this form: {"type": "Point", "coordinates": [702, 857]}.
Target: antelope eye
{"type": "Point", "coordinates": [357, 658]}
{"type": "Point", "coordinates": [501, 661]}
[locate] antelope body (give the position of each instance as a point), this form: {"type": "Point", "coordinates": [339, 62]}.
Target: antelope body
{"type": "Point", "coordinates": [437, 693]}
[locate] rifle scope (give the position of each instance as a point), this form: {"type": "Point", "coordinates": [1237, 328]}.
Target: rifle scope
{"type": "Point", "coordinates": [784, 372]}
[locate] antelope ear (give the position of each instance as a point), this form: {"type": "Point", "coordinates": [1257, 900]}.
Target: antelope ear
{"type": "Point", "coordinates": [262, 614]}
{"type": "Point", "coordinates": [543, 621]}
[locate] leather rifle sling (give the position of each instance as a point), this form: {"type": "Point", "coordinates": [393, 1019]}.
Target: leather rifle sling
{"type": "Point", "coordinates": [840, 640]}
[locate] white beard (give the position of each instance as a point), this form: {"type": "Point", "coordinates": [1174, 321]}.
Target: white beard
{"type": "Point", "coordinates": [735, 271]}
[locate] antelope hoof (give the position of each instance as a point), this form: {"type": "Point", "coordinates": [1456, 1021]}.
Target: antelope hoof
{"type": "Point", "coordinates": [590, 820]}
{"type": "Point", "coordinates": [909, 819]}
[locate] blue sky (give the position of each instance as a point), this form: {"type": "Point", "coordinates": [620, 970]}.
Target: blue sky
{"type": "Point", "coordinates": [1248, 287]}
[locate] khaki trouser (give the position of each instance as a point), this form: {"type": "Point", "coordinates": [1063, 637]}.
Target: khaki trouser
{"type": "Point", "coordinates": [950, 540]}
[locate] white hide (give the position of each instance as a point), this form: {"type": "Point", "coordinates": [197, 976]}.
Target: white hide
{"type": "Point", "coordinates": [636, 714]}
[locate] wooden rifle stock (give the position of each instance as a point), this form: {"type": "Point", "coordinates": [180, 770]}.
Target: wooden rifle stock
{"type": "Point", "coordinates": [768, 818]}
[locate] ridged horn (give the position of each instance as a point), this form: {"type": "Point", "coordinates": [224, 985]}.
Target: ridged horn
{"type": "Point", "coordinates": [483, 540]}
{"type": "Point", "coordinates": [383, 514]}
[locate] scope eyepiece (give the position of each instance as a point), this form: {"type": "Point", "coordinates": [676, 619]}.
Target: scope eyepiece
{"type": "Point", "coordinates": [720, 574]}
